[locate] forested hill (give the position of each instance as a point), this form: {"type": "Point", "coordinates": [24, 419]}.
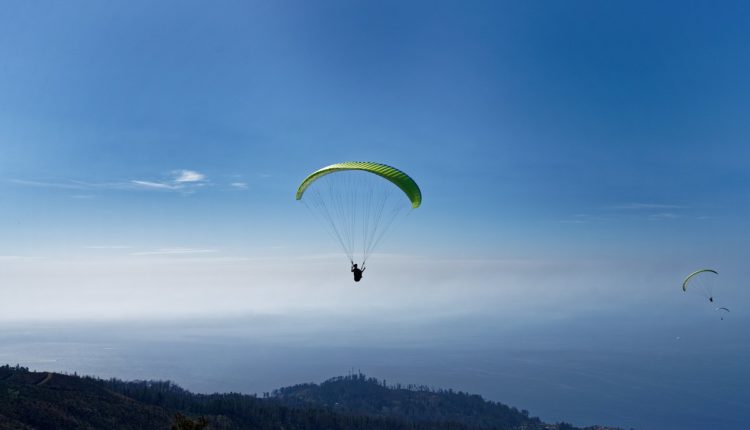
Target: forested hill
{"type": "Point", "coordinates": [359, 395]}
{"type": "Point", "coordinates": [40, 400]}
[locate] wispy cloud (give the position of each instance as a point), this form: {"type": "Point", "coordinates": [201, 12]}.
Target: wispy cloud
{"type": "Point", "coordinates": [584, 219]}
{"type": "Point", "coordinates": [181, 180]}
{"type": "Point", "coordinates": [188, 176]}
{"type": "Point", "coordinates": [645, 206]}
{"type": "Point", "coordinates": [239, 185]}
{"type": "Point", "coordinates": [100, 185]}
{"type": "Point", "coordinates": [662, 216]}
{"type": "Point", "coordinates": [18, 257]}
{"type": "Point", "coordinates": [156, 185]}
{"type": "Point", "coordinates": [173, 251]}
{"type": "Point", "coordinates": [71, 185]}
{"type": "Point", "coordinates": [628, 211]}
{"type": "Point", "coordinates": [650, 211]}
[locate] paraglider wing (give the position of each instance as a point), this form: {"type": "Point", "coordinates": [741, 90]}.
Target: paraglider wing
{"type": "Point", "coordinates": [722, 309]}
{"type": "Point", "coordinates": [693, 275]}
{"type": "Point", "coordinates": [397, 177]}
{"type": "Point", "coordinates": [359, 201]}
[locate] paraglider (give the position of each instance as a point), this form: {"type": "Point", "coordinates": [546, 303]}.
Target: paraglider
{"type": "Point", "coordinates": [359, 201]}
{"type": "Point", "coordinates": [701, 282]}
{"type": "Point", "coordinates": [357, 272]}
{"type": "Point", "coordinates": [722, 308]}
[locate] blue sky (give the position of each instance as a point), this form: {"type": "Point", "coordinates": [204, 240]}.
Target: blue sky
{"type": "Point", "coordinates": [576, 159]}
{"type": "Point", "coordinates": [553, 131]}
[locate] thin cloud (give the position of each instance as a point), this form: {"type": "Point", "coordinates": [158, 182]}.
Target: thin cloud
{"type": "Point", "coordinates": [239, 185]}
{"type": "Point", "coordinates": [18, 257]}
{"type": "Point", "coordinates": [584, 219]}
{"type": "Point", "coordinates": [71, 185]}
{"type": "Point", "coordinates": [662, 216]}
{"type": "Point", "coordinates": [577, 219]}
{"type": "Point", "coordinates": [646, 206]}
{"type": "Point", "coordinates": [650, 211]}
{"type": "Point", "coordinates": [182, 180]}
{"type": "Point", "coordinates": [628, 211]}
{"type": "Point", "coordinates": [574, 221]}
{"type": "Point", "coordinates": [101, 185]}
{"type": "Point", "coordinates": [174, 251]}
{"type": "Point", "coordinates": [188, 176]}
{"type": "Point", "coordinates": [155, 185]}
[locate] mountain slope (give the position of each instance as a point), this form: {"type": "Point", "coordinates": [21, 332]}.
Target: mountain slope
{"type": "Point", "coordinates": [30, 400]}
{"type": "Point", "coordinates": [40, 401]}
{"type": "Point", "coordinates": [357, 394]}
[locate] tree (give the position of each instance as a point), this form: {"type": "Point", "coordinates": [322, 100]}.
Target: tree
{"type": "Point", "coordinates": [181, 422]}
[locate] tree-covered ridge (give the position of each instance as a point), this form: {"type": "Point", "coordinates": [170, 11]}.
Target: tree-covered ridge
{"type": "Point", "coordinates": [40, 400]}
{"type": "Point", "coordinates": [358, 394]}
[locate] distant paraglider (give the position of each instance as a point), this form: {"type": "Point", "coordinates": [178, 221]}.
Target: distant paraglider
{"type": "Point", "coordinates": [702, 282]}
{"type": "Point", "coordinates": [359, 201]}
{"type": "Point", "coordinates": [723, 309]}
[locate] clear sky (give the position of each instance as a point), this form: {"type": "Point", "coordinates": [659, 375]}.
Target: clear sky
{"type": "Point", "coordinates": [557, 130]}
{"type": "Point", "coordinates": [576, 158]}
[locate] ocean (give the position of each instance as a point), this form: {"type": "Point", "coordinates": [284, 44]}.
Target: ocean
{"type": "Point", "coordinates": [633, 375]}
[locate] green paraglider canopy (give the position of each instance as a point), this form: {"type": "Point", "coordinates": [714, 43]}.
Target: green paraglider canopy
{"type": "Point", "coordinates": [359, 201]}
{"type": "Point", "coordinates": [397, 177]}
{"type": "Point", "coordinates": [691, 276]}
